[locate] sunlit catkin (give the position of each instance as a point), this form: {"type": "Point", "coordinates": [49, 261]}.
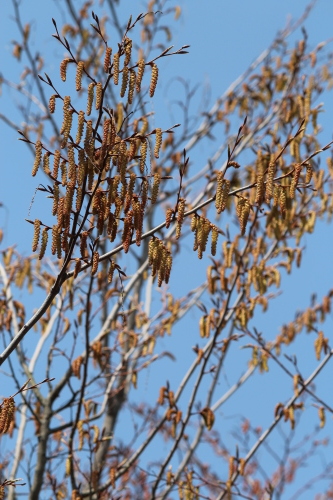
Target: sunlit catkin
{"type": "Point", "coordinates": [52, 103]}
{"type": "Point", "coordinates": [99, 95]}
{"type": "Point", "coordinates": [46, 163]}
{"type": "Point", "coordinates": [55, 199]}
{"type": "Point", "coordinates": [153, 80]}
{"type": "Point", "coordinates": [90, 98]}
{"type": "Point", "coordinates": [43, 244]}
{"type": "Point", "coordinates": [35, 238]}
{"type": "Point", "coordinates": [56, 163]}
{"type": "Point", "coordinates": [143, 155]}
{"type": "Point", "coordinates": [111, 271]}
{"type": "Point", "coordinates": [107, 59]}
{"type": "Point", "coordinates": [180, 216]}
{"type": "Point", "coordinates": [94, 263]}
{"type": "Point", "coordinates": [79, 73]}
{"type": "Point", "coordinates": [141, 69]}
{"type": "Point", "coordinates": [124, 81]}
{"type": "Point", "coordinates": [269, 182]}
{"type": "Point", "coordinates": [80, 125]}
{"type": "Point", "coordinates": [131, 86]}
{"type": "Point", "coordinates": [155, 188]}
{"type": "Point", "coordinates": [214, 237]}
{"type": "Point", "coordinates": [63, 68]}
{"type": "Point", "coordinates": [116, 68]}
{"type": "Point", "coordinates": [127, 50]}
{"type": "Point", "coordinates": [6, 414]}
{"type": "Point", "coordinates": [38, 157]}
{"type": "Point", "coordinates": [158, 142]}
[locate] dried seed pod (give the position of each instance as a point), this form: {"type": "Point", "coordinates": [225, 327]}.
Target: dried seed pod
{"type": "Point", "coordinates": [52, 103]}
{"type": "Point", "coordinates": [116, 68]}
{"type": "Point", "coordinates": [35, 238]}
{"type": "Point", "coordinates": [56, 162]}
{"type": "Point", "coordinates": [80, 125]}
{"type": "Point", "coordinates": [43, 244]}
{"type": "Point", "coordinates": [94, 263]}
{"type": "Point", "coordinates": [155, 188]}
{"type": "Point", "coordinates": [158, 142]}
{"type": "Point", "coordinates": [124, 81]}
{"type": "Point", "coordinates": [153, 79]}
{"type": "Point", "coordinates": [90, 98]}
{"type": "Point", "coordinates": [141, 69]}
{"type": "Point", "coordinates": [38, 157]}
{"type": "Point", "coordinates": [79, 73]}
{"type": "Point", "coordinates": [99, 95]}
{"type": "Point", "coordinates": [6, 414]}
{"type": "Point", "coordinates": [63, 68]}
{"type": "Point", "coordinates": [131, 86]}
{"type": "Point", "coordinates": [107, 59]}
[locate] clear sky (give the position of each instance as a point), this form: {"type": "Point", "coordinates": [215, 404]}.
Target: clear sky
{"type": "Point", "coordinates": [225, 37]}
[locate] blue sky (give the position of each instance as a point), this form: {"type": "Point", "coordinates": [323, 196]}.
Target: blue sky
{"type": "Point", "coordinates": [225, 37]}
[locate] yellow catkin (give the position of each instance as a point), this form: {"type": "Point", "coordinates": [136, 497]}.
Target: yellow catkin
{"type": "Point", "coordinates": [155, 188]}
{"type": "Point", "coordinates": [158, 142]}
{"type": "Point", "coordinates": [309, 172]}
{"type": "Point", "coordinates": [116, 68]}
{"type": "Point", "coordinates": [52, 103]}
{"type": "Point", "coordinates": [127, 50]}
{"type": "Point", "coordinates": [35, 238]}
{"type": "Point", "coordinates": [283, 201]}
{"type": "Point", "coordinates": [56, 240]}
{"type": "Point", "coordinates": [180, 216]}
{"type": "Point", "coordinates": [141, 69]}
{"type": "Point", "coordinates": [80, 125]}
{"type": "Point", "coordinates": [131, 86]}
{"type": "Point", "coordinates": [153, 79]}
{"type": "Point", "coordinates": [43, 244]}
{"type": "Point", "coordinates": [222, 192]}
{"type": "Point", "coordinates": [79, 73]}
{"type": "Point", "coordinates": [94, 263]}
{"type": "Point", "coordinates": [56, 163]}
{"type": "Point", "coordinates": [143, 155]}
{"type": "Point", "coordinates": [71, 162]}
{"type": "Point", "coordinates": [107, 59]}
{"type": "Point", "coordinates": [90, 98]}
{"type": "Point", "coordinates": [168, 217]}
{"type": "Point", "coordinates": [63, 169]}
{"type": "Point", "coordinates": [63, 68]}
{"type": "Point", "coordinates": [38, 157]}
{"type": "Point", "coordinates": [124, 81]}
{"type": "Point", "coordinates": [99, 95]}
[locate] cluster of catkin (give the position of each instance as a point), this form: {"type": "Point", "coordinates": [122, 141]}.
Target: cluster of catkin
{"type": "Point", "coordinates": [80, 167]}
{"type": "Point", "coordinates": [202, 227]}
{"type": "Point", "coordinates": [160, 258]}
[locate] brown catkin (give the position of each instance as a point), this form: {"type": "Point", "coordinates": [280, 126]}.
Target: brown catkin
{"type": "Point", "coordinates": [79, 73]}
{"type": "Point", "coordinates": [35, 238]}
{"type": "Point", "coordinates": [168, 217]}
{"type": "Point", "coordinates": [99, 95]}
{"type": "Point", "coordinates": [55, 198]}
{"type": "Point", "coordinates": [214, 237]}
{"type": "Point", "coordinates": [124, 81]}
{"type": "Point", "coordinates": [107, 59]}
{"type": "Point", "coordinates": [52, 103]}
{"type": "Point", "coordinates": [158, 142]}
{"type": "Point", "coordinates": [116, 68]}
{"type": "Point", "coordinates": [143, 155]}
{"type": "Point", "coordinates": [71, 163]}
{"type": "Point", "coordinates": [43, 244]}
{"type": "Point", "coordinates": [141, 69]}
{"type": "Point", "coordinates": [80, 125]}
{"type": "Point", "coordinates": [83, 244]}
{"type": "Point", "coordinates": [63, 169]}
{"type": "Point", "coordinates": [46, 163]}
{"type": "Point", "coordinates": [111, 271]}
{"type": "Point", "coordinates": [6, 414]}
{"type": "Point", "coordinates": [153, 79]}
{"type": "Point", "coordinates": [155, 188]}
{"type": "Point", "coordinates": [180, 216]}
{"type": "Point", "coordinates": [56, 162]}
{"type": "Point", "coordinates": [94, 264]}
{"type": "Point", "coordinates": [63, 68]}
{"type": "Point", "coordinates": [131, 86]}
{"type": "Point", "coordinates": [269, 181]}
{"type": "Point", "coordinates": [90, 98]}
{"type": "Point", "coordinates": [38, 157]}
{"type": "Point", "coordinates": [127, 50]}
{"type": "Point", "coordinates": [309, 172]}
{"type": "Point", "coordinates": [56, 239]}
